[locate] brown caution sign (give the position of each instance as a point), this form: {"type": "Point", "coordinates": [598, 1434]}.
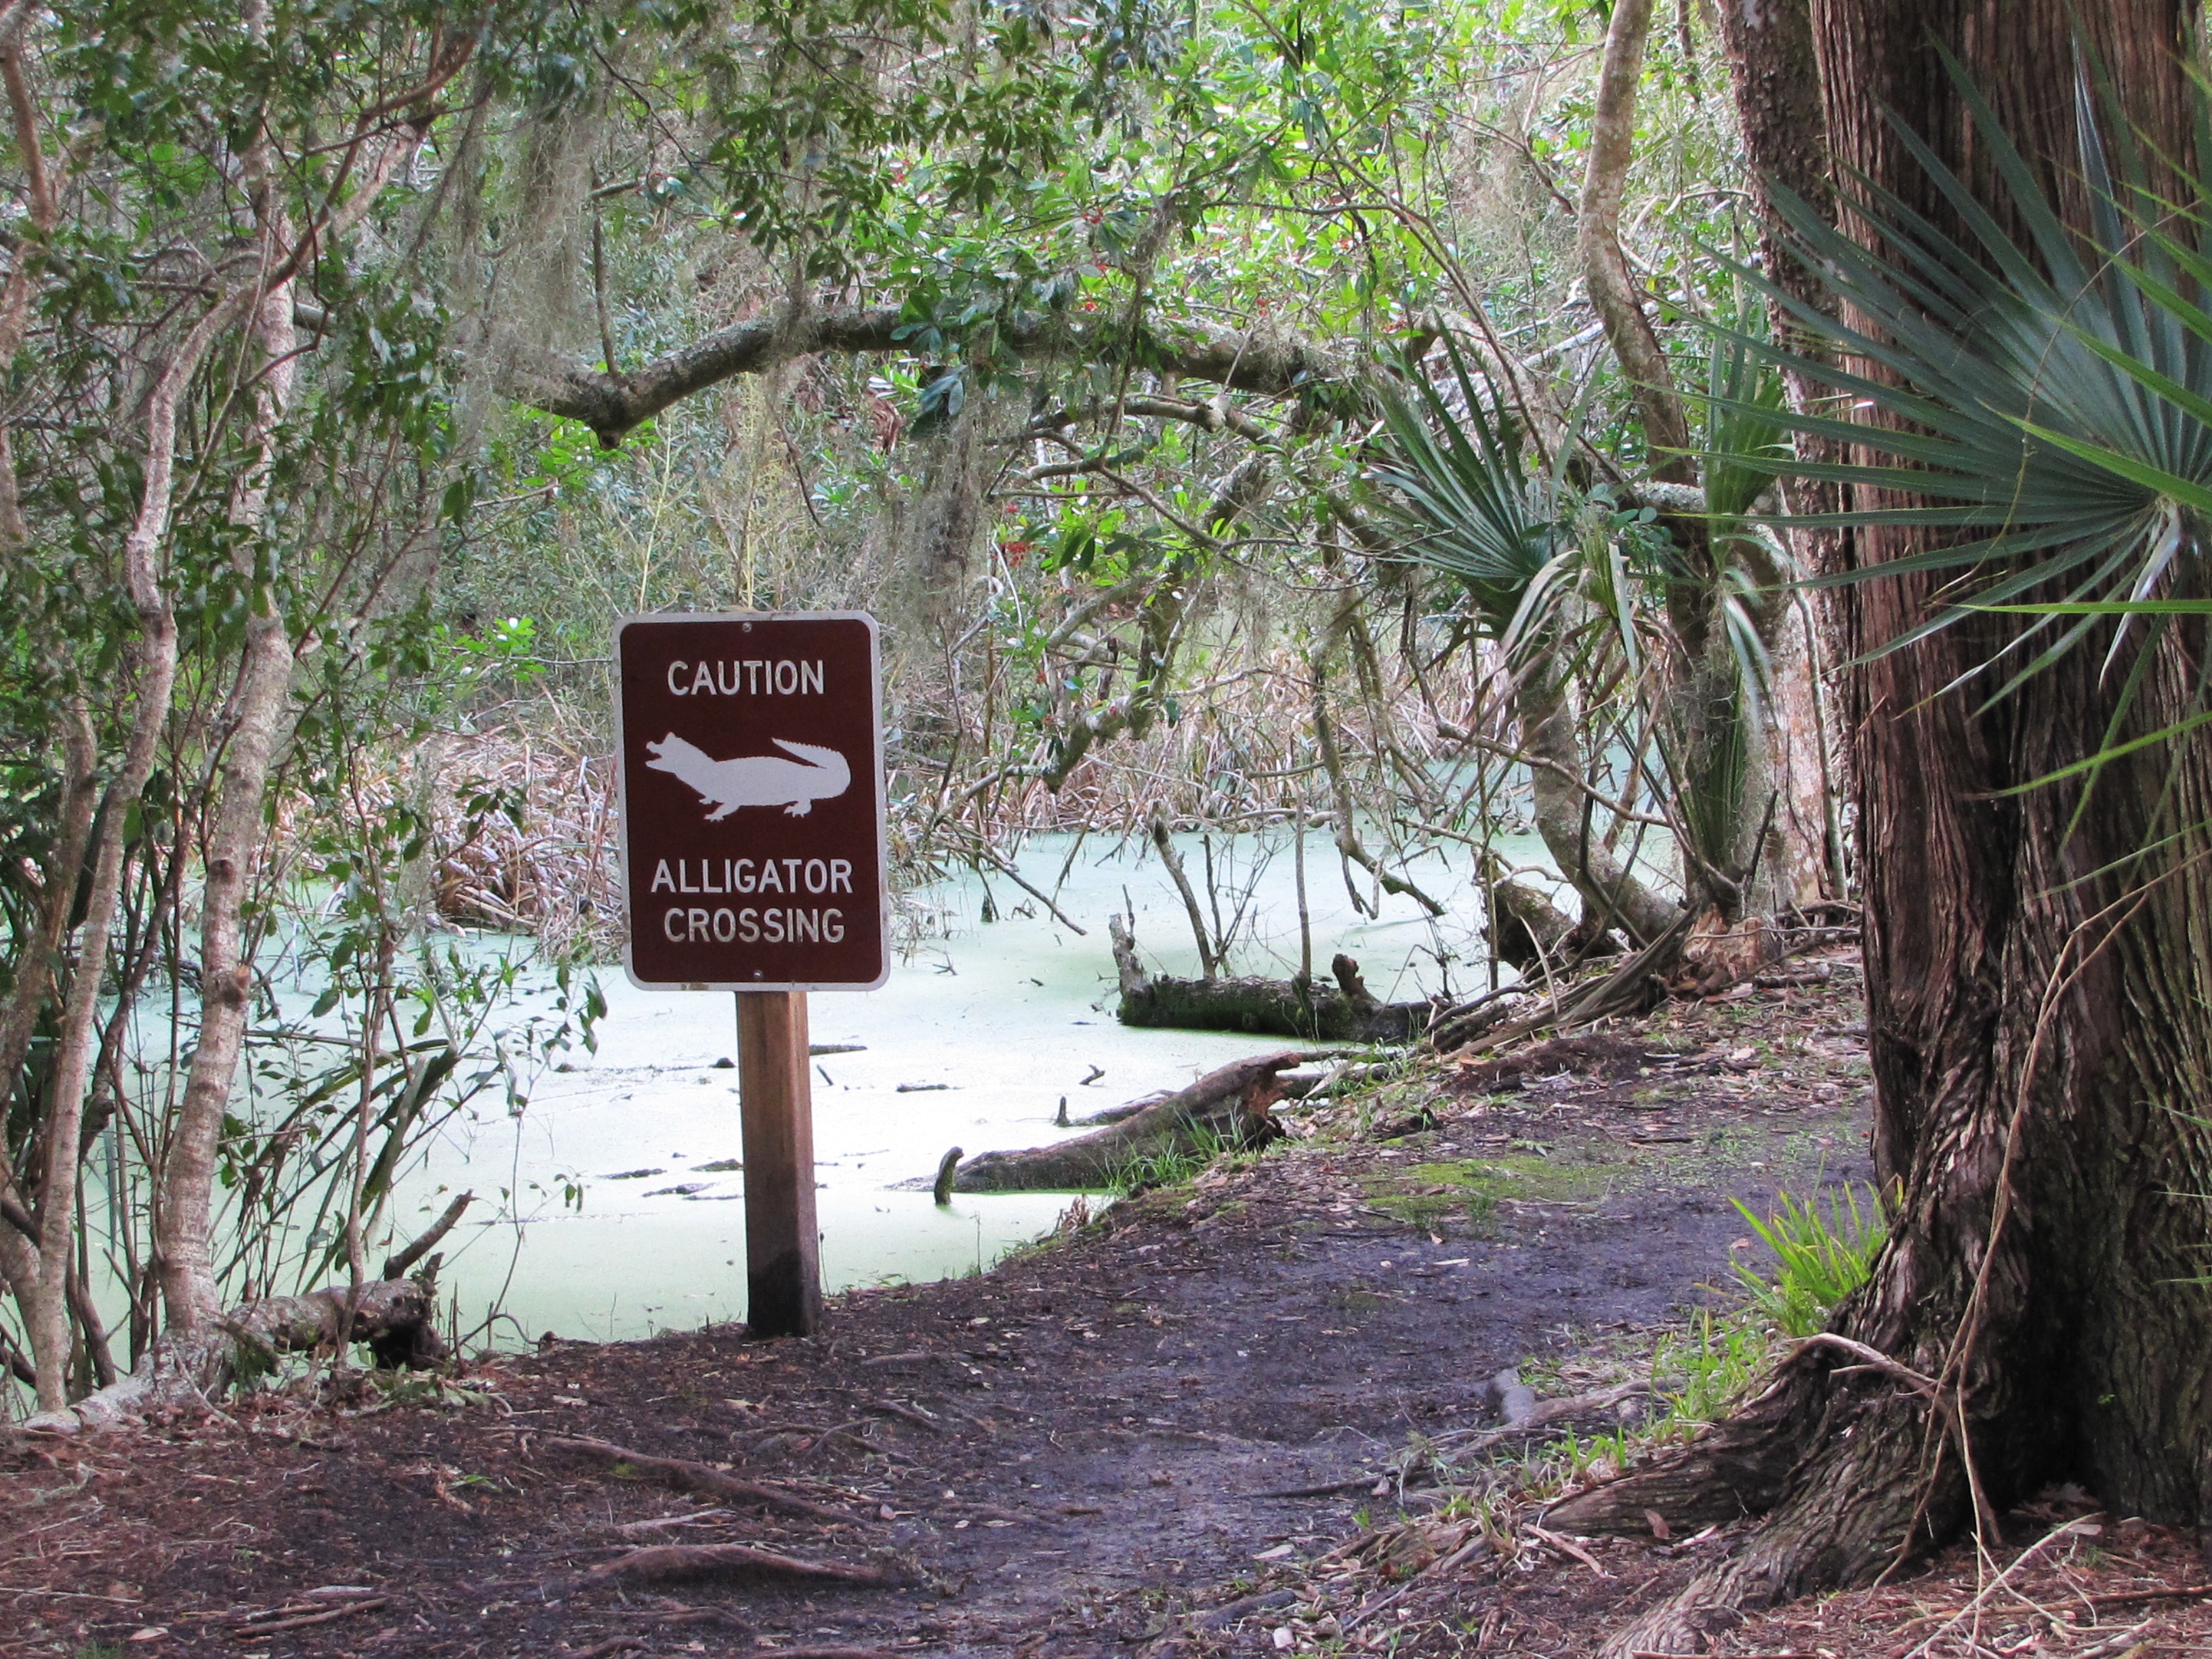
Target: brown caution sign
{"type": "Point", "coordinates": [752, 801]}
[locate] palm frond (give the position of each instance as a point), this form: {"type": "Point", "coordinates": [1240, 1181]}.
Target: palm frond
{"type": "Point", "coordinates": [1746, 437]}
{"type": "Point", "coordinates": [1456, 483]}
{"type": "Point", "coordinates": [2053, 395]}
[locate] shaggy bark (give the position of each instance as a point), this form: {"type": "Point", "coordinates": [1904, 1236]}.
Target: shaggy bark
{"type": "Point", "coordinates": [1227, 1106]}
{"type": "Point", "coordinates": [2038, 991]}
{"type": "Point", "coordinates": [1775, 74]}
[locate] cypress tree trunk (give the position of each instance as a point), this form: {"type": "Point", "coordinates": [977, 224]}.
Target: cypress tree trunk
{"type": "Point", "coordinates": [2040, 993]}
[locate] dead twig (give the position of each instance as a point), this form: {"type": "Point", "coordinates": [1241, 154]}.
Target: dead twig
{"type": "Point", "coordinates": [1981, 1598]}
{"type": "Point", "coordinates": [1329, 1489]}
{"type": "Point", "coordinates": [2114, 1645]}
{"type": "Point", "coordinates": [903, 1359]}
{"type": "Point", "coordinates": [661, 1524]}
{"type": "Point", "coordinates": [906, 1414]}
{"type": "Point", "coordinates": [2124, 1598]}
{"type": "Point", "coordinates": [1565, 1546]}
{"type": "Point", "coordinates": [302, 1620]}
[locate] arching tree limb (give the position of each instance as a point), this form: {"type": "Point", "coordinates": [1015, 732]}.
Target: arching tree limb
{"type": "Point", "coordinates": [612, 405]}
{"type": "Point", "coordinates": [1597, 245]}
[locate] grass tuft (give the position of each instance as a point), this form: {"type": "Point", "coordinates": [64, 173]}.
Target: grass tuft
{"type": "Point", "coordinates": [1818, 1259]}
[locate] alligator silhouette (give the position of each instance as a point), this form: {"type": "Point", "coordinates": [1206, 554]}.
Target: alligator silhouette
{"type": "Point", "coordinates": [755, 779]}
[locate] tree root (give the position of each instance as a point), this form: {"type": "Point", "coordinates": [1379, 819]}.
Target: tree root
{"type": "Point", "coordinates": [663, 1562]}
{"type": "Point", "coordinates": [1840, 1472]}
{"type": "Point", "coordinates": [1732, 1472]}
{"type": "Point", "coordinates": [680, 1474]}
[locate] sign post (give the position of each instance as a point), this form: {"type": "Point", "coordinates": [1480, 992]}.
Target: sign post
{"type": "Point", "coordinates": [775, 1104]}
{"type": "Point", "coordinates": [752, 817]}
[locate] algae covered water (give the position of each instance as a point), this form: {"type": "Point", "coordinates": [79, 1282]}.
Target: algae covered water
{"type": "Point", "coordinates": [624, 1201]}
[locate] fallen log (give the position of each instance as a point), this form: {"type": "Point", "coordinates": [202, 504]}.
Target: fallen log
{"type": "Point", "coordinates": [1632, 984]}
{"type": "Point", "coordinates": [1319, 1084]}
{"type": "Point", "coordinates": [1345, 1012]}
{"type": "Point", "coordinates": [681, 1475]}
{"type": "Point", "coordinates": [395, 1315]}
{"type": "Point", "coordinates": [663, 1562]}
{"type": "Point", "coordinates": [396, 1318]}
{"type": "Point", "coordinates": [1126, 1109]}
{"type": "Point", "coordinates": [1526, 929]}
{"type": "Point", "coordinates": [1227, 1107]}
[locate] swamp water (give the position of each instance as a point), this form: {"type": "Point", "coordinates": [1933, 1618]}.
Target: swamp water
{"type": "Point", "coordinates": [981, 1031]}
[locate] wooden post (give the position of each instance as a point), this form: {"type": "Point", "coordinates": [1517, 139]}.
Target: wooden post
{"type": "Point", "coordinates": [783, 1261]}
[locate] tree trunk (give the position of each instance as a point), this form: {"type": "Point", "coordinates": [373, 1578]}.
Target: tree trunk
{"type": "Point", "coordinates": [1738, 763]}
{"type": "Point", "coordinates": [1612, 894]}
{"type": "Point", "coordinates": [2040, 1001]}
{"type": "Point", "coordinates": [1776, 74]}
{"type": "Point", "coordinates": [190, 1295]}
{"type": "Point", "coordinates": [1613, 290]}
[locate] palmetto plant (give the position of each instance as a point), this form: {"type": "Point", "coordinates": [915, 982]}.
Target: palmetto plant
{"type": "Point", "coordinates": [1725, 594]}
{"type": "Point", "coordinates": [2049, 396]}
{"type": "Point", "coordinates": [1570, 596]}
{"type": "Point", "coordinates": [1470, 508]}
{"type": "Point", "coordinates": [1824, 1247]}
{"type": "Point", "coordinates": [1466, 504]}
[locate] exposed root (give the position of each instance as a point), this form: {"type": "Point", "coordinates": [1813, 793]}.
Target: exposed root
{"type": "Point", "coordinates": [665, 1562]}
{"type": "Point", "coordinates": [1874, 1491]}
{"type": "Point", "coordinates": [680, 1474]}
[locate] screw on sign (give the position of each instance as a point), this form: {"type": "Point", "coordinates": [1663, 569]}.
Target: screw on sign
{"type": "Point", "coordinates": [752, 818]}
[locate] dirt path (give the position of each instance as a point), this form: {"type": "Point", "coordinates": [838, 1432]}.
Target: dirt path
{"type": "Point", "coordinates": [1060, 1457]}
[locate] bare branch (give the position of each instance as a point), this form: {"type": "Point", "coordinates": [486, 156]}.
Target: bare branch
{"type": "Point", "coordinates": [613, 404]}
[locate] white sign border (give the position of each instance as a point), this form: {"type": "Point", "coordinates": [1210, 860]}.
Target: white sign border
{"type": "Point", "coordinates": [883, 833]}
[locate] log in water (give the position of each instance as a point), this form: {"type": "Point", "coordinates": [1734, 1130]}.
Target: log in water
{"type": "Point", "coordinates": [1227, 1107]}
{"type": "Point", "coordinates": [1343, 1013]}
